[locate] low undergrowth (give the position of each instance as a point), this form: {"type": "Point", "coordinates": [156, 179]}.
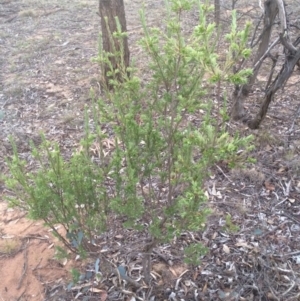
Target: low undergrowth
{"type": "Point", "coordinates": [153, 178]}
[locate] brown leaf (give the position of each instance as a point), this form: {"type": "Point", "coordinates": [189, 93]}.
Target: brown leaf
{"type": "Point", "coordinates": [243, 244]}
{"type": "Point", "coordinates": [102, 293]}
{"type": "Point", "coordinates": [173, 272]}
{"type": "Point", "coordinates": [226, 249]}
{"type": "Point", "coordinates": [204, 288]}
{"type": "Point", "coordinates": [281, 170]}
{"type": "Point", "coordinates": [268, 148]}
{"type": "Point", "coordinates": [103, 296]}
{"type": "Point", "coordinates": [195, 275]}
{"type": "Point", "coordinates": [215, 234]}
{"type": "Point", "coordinates": [269, 186]}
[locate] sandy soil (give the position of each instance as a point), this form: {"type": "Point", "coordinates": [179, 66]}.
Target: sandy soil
{"type": "Point", "coordinates": [27, 261]}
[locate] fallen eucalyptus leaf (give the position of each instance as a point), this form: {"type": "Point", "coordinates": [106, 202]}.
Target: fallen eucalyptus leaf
{"type": "Point", "coordinates": [226, 249]}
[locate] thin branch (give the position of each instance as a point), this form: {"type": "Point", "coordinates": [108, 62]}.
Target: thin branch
{"type": "Point", "coordinates": [266, 53]}
{"type": "Point", "coordinates": [24, 268]}
{"type": "Point", "coordinates": [284, 38]}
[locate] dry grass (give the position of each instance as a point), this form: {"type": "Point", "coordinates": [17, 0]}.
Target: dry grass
{"type": "Point", "coordinates": [9, 246]}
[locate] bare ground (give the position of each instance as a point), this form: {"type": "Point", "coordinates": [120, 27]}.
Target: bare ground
{"type": "Point", "coordinates": [46, 73]}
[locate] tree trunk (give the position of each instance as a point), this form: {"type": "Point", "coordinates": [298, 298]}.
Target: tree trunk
{"type": "Point", "coordinates": [217, 12]}
{"type": "Point", "coordinates": [233, 3]}
{"type": "Point", "coordinates": [281, 79]}
{"type": "Point", "coordinates": [110, 12]}
{"type": "Point", "coordinates": [241, 93]}
{"type": "Point", "coordinates": [292, 57]}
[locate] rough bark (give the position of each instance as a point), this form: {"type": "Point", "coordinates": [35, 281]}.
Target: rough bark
{"type": "Point", "coordinates": [242, 92]}
{"type": "Point", "coordinates": [292, 57]}
{"type": "Point", "coordinates": [233, 3]}
{"type": "Point", "coordinates": [110, 12]}
{"type": "Point", "coordinates": [217, 12]}
{"type": "Point", "coordinates": [280, 81]}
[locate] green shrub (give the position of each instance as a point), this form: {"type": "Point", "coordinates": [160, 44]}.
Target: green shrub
{"type": "Point", "coordinates": [61, 192]}
{"type": "Point", "coordinates": [161, 158]}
